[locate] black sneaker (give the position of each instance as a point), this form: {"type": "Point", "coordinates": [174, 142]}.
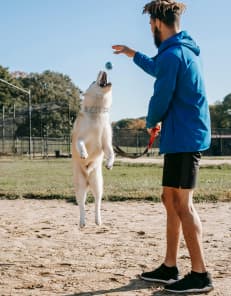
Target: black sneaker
{"type": "Point", "coordinates": [162, 274]}
{"type": "Point", "coordinates": [193, 282]}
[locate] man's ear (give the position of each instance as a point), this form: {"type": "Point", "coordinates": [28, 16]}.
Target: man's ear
{"type": "Point", "coordinates": [158, 24]}
{"type": "Point", "coordinates": [152, 24]}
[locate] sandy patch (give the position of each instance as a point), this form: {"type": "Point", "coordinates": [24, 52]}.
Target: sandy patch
{"type": "Point", "coordinates": [43, 251]}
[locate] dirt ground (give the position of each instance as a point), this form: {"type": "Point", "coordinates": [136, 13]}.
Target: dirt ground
{"type": "Point", "coordinates": [205, 161]}
{"type": "Point", "coordinates": [43, 251]}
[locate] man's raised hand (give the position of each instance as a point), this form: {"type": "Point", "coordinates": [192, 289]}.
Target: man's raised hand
{"type": "Point", "coordinates": [118, 49]}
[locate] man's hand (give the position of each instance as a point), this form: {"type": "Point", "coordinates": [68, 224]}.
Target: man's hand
{"type": "Point", "coordinates": [155, 130]}
{"type": "Point", "coordinates": [124, 49]}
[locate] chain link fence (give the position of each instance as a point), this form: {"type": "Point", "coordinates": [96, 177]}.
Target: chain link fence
{"type": "Point", "coordinates": [57, 143]}
{"type": "Point", "coordinates": [46, 138]}
{"type": "Point", "coordinates": [131, 141]}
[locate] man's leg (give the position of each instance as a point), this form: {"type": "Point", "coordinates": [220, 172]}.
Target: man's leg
{"type": "Point", "coordinates": [168, 272]}
{"type": "Point", "coordinates": [199, 280]}
{"type": "Point", "coordinates": [173, 227]}
{"type": "Point", "coordinates": [191, 226]}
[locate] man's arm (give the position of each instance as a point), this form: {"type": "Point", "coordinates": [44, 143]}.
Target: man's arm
{"type": "Point", "coordinates": [145, 63]}
{"type": "Point", "coordinates": [163, 90]}
{"type": "Point", "coordinates": [141, 60]}
{"type": "Point", "coordinates": [166, 74]}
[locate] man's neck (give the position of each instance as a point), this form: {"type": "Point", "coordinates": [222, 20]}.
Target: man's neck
{"type": "Point", "coordinates": [169, 33]}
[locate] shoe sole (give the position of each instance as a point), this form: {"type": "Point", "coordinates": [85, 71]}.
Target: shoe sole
{"type": "Point", "coordinates": [171, 281]}
{"type": "Point", "coordinates": [206, 289]}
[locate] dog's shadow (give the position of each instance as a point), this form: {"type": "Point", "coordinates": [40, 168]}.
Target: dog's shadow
{"type": "Point", "coordinates": [133, 285]}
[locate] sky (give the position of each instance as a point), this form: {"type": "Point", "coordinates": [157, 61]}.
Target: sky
{"type": "Point", "coordinates": [74, 37]}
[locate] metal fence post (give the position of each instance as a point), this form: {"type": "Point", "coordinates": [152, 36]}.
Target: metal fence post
{"type": "Point", "coordinates": [3, 129]}
{"type": "Point", "coordinates": [30, 137]}
{"type": "Point", "coordinates": [29, 108]}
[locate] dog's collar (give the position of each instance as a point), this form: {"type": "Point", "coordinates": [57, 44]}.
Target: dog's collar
{"type": "Point", "coordinates": [95, 109]}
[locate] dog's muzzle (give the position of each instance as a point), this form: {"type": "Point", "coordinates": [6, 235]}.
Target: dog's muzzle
{"type": "Point", "coordinates": [102, 79]}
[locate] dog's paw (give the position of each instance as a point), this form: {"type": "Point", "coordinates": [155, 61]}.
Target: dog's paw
{"type": "Point", "coordinates": [82, 225]}
{"type": "Point", "coordinates": [109, 166]}
{"type": "Point", "coordinates": [98, 221]}
{"type": "Point", "coordinates": [84, 154]}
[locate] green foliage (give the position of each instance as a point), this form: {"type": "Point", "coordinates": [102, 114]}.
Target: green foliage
{"type": "Point", "coordinates": [221, 113]}
{"type": "Point", "coordinates": [54, 97]}
{"type": "Point", "coordinates": [8, 95]}
{"type": "Point", "coordinates": [56, 100]}
{"type": "Point", "coordinates": [128, 123]}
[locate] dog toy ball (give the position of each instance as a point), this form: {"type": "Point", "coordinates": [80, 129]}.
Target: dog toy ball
{"type": "Point", "coordinates": [108, 66]}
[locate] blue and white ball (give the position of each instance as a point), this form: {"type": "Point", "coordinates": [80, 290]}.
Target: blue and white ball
{"type": "Point", "coordinates": [108, 66]}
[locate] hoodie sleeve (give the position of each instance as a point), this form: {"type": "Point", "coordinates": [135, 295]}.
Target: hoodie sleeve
{"type": "Point", "coordinates": [164, 87]}
{"type": "Point", "coordinates": [145, 63]}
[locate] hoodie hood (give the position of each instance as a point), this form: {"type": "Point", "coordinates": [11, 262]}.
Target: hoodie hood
{"type": "Point", "coordinates": [181, 39]}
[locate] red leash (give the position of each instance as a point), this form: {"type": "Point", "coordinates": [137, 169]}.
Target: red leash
{"type": "Point", "coordinates": [154, 133]}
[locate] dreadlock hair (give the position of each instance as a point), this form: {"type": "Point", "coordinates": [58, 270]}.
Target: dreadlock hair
{"type": "Point", "coordinates": [167, 11]}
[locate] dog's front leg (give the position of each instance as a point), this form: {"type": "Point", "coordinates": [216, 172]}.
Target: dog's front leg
{"type": "Point", "coordinates": [107, 147]}
{"type": "Point", "coordinates": [110, 156]}
{"type": "Point", "coordinates": [81, 148]}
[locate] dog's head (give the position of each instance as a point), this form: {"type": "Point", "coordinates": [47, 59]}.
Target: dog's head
{"type": "Point", "coordinates": [99, 93]}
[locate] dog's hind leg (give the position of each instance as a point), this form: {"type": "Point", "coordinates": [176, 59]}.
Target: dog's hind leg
{"type": "Point", "coordinates": [81, 196]}
{"type": "Point", "coordinates": [81, 187]}
{"type": "Point", "coordinates": [96, 186]}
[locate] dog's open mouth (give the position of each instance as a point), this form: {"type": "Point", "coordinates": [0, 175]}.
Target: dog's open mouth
{"type": "Point", "coordinates": [102, 79]}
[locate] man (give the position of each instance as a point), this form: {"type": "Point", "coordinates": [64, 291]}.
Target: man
{"type": "Point", "coordinates": [179, 102]}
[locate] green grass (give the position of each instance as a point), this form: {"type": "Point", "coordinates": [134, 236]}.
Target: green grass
{"type": "Point", "coordinates": [53, 179]}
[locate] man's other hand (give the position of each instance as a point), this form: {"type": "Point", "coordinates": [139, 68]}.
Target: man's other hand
{"type": "Point", "coordinates": [155, 130]}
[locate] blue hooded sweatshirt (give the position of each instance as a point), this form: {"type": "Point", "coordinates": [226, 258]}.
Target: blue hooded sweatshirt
{"type": "Point", "coordinates": [179, 99]}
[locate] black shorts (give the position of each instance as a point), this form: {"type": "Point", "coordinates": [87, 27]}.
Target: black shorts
{"type": "Point", "coordinates": [181, 169]}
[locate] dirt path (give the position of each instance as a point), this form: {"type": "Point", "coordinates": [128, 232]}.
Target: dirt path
{"type": "Point", "coordinates": [43, 251]}
{"type": "Point", "coordinates": [159, 160]}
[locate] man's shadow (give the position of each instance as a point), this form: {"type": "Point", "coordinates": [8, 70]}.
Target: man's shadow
{"type": "Point", "coordinates": [133, 285]}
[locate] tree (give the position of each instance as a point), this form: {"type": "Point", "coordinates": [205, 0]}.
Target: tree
{"type": "Point", "coordinates": [55, 103]}
{"type": "Point", "coordinates": [8, 95]}
{"type": "Point", "coordinates": [221, 113]}
{"type": "Point", "coordinates": [138, 123]}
